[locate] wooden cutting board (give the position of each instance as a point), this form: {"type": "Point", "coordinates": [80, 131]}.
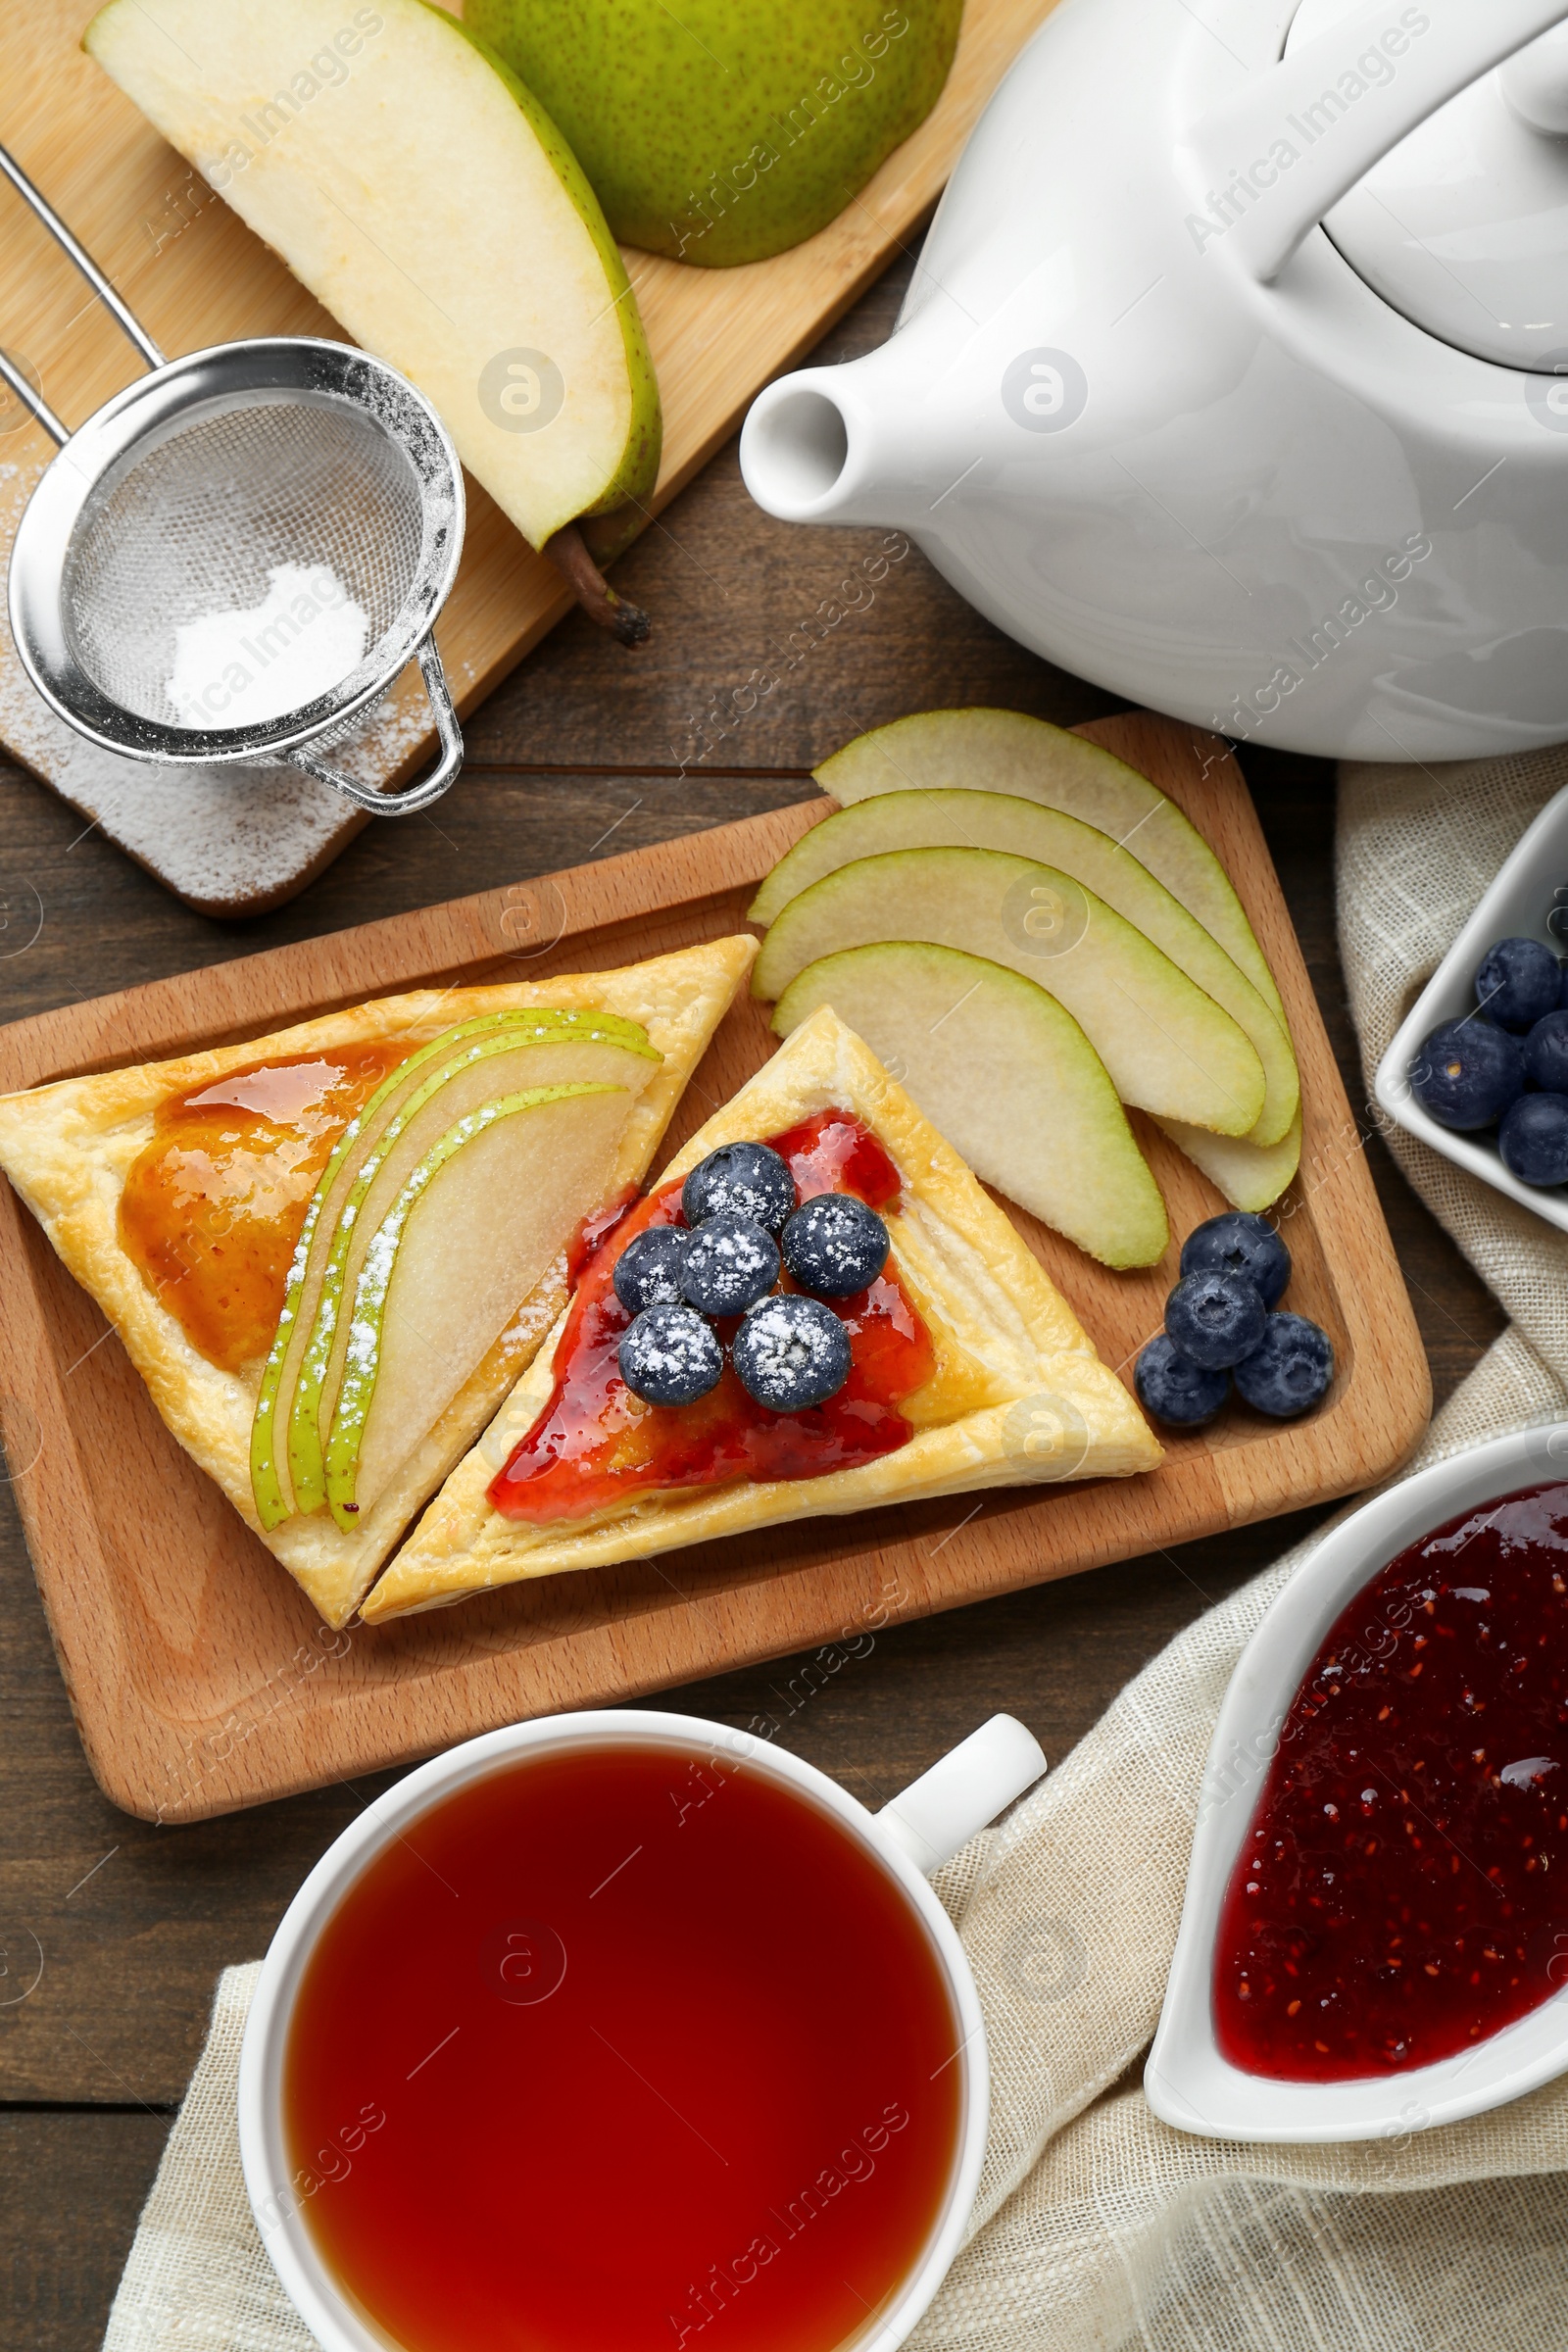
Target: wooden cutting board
{"type": "Point", "coordinates": [198, 1675]}
{"type": "Point", "coordinates": [237, 842]}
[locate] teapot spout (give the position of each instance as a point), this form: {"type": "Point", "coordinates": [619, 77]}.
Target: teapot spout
{"type": "Point", "coordinates": [854, 444]}
{"type": "Point", "coordinates": [794, 448]}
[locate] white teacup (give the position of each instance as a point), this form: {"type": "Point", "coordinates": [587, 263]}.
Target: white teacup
{"type": "Point", "coordinates": [911, 1836]}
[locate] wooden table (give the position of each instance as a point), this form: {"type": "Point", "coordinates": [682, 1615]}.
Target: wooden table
{"type": "Point", "coordinates": [587, 749]}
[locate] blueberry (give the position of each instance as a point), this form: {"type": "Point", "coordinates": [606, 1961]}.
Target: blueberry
{"type": "Point", "coordinates": [1290, 1371]}
{"type": "Point", "coordinates": [1519, 983]}
{"type": "Point", "coordinates": [1466, 1074]}
{"type": "Point", "coordinates": [1176, 1390]}
{"type": "Point", "coordinates": [791, 1352]}
{"type": "Point", "coordinates": [648, 1269]}
{"type": "Point", "coordinates": [835, 1246]}
{"type": "Point", "coordinates": [1215, 1319]}
{"type": "Point", "coordinates": [1239, 1244]}
{"type": "Point", "coordinates": [1534, 1139]}
{"type": "Point", "coordinates": [1546, 1053]}
{"type": "Point", "coordinates": [746, 1180]}
{"type": "Point", "coordinates": [670, 1356]}
{"type": "Point", "coordinates": [730, 1263]}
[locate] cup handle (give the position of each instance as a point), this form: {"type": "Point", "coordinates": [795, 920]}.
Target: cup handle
{"type": "Point", "coordinates": [971, 1784]}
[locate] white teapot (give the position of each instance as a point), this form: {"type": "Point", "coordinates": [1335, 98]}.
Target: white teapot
{"type": "Point", "coordinates": [1234, 375]}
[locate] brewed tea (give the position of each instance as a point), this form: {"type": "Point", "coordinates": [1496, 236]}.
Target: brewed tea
{"type": "Point", "coordinates": [624, 2049]}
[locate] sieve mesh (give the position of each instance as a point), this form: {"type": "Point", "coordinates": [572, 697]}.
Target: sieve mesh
{"type": "Point", "coordinates": [195, 524]}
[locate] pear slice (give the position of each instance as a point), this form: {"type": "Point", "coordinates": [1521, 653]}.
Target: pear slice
{"type": "Point", "coordinates": [1247, 1176]}
{"type": "Point", "coordinates": [1168, 1047]}
{"type": "Point", "coordinates": [273, 1498]}
{"type": "Point", "coordinates": [422, 194]}
{"type": "Point", "coordinates": [991, 821]}
{"type": "Point", "coordinates": [483, 1070]}
{"type": "Point", "coordinates": [1008, 1077]}
{"type": "Point", "coordinates": [1004, 751]}
{"type": "Point", "coordinates": [469, 1232]}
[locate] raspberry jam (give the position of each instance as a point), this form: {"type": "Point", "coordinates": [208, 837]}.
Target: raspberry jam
{"type": "Point", "coordinates": [621, 2049]}
{"type": "Point", "coordinates": [1403, 1888]}
{"type": "Point", "coordinates": [595, 1443]}
{"type": "Point", "coordinates": [213, 1206]}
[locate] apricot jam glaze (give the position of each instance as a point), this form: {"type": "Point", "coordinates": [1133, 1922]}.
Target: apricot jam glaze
{"type": "Point", "coordinates": [1402, 1891]}
{"type": "Point", "coordinates": [595, 1443]}
{"type": "Point", "coordinates": [213, 1206]}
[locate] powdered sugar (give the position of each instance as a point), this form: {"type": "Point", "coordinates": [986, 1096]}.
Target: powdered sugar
{"type": "Point", "coordinates": [791, 1353]}
{"type": "Point", "coordinates": [238, 668]}
{"type": "Point", "coordinates": [227, 839]}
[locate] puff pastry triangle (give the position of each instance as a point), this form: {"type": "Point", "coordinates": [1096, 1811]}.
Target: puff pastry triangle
{"type": "Point", "coordinates": [1022, 1395]}
{"type": "Point", "coordinates": [67, 1148]}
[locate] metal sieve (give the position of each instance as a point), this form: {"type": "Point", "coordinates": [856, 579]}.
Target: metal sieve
{"type": "Point", "coordinates": [203, 494]}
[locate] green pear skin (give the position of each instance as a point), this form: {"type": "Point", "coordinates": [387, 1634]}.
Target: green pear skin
{"type": "Point", "coordinates": [993, 820]}
{"type": "Point", "coordinates": [983, 749]}
{"type": "Point", "coordinates": [1008, 1076]}
{"type": "Point", "coordinates": [718, 133]}
{"type": "Point", "coordinates": [1250, 1175]}
{"type": "Point", "coordinates": [356, 1142]}
{"type": "Point", "coordinates": [422, 193]}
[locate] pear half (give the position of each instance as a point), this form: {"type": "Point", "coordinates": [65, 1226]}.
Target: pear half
{"type": "Point", "coordinates": [1008, 1076]}
{"type": "Point", "coordinates": [989, 820]}
{"type": "Point", "coordinates": [1169, 1047]}
{"type": "Point", "coordinates": [720, 132]}
{"type": "Point", "coordinates": [425, 198]}
{"type": "Point", "coordinates": [470, 1232]}
{"type": "Point", "coordinates": [527, 1024]}
{"type": "Point", "coordinates": [1004, 751]}
{"type": "Point", "coordinates": [485, 1068]}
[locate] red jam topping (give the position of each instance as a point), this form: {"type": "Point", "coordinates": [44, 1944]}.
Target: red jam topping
{"type": "Point", "coordinates": [213, 1206]}
{"type": "Point", "coordinates": [1403, 1888]}
{"type": "Point", "coordinates": [595, 1443]}
{"type": "Point", "coordinates": [593, 1232]}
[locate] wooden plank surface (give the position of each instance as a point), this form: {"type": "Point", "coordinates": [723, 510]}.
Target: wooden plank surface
{"type": "Point", "coordinates": [59, 2170]}
{"type": "Point", "coordinates": [195, 275]}
{"type": "Point", "coordinates": [565, 754]}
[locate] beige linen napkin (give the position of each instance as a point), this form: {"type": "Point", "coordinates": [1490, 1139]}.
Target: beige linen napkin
{"type": "Point", "coordinates": [1097, 2226]}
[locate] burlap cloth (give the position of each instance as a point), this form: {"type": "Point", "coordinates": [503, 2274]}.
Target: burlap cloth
{"type": "Point", "coordinates": [1097, 2226]}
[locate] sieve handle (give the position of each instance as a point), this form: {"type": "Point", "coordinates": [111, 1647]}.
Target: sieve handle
{"type": "Point", "coordinates": [120, 312]}
{"type": "Point", "coordinates": [33, 402]}
{"type": "Point", "coordinates": [442, 776]}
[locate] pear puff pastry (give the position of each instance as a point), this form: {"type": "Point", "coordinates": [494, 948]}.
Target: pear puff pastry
{"type": "Point", "coordinates": [1019, 1395]}
{"type": "Point", "coordinates": [69, 1149]}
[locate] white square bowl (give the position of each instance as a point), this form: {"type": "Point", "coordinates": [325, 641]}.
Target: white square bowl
{"type": "Point", "coordinates": [1517, 906]}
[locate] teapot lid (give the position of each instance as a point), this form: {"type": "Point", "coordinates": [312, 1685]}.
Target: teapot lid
{"type": "Point", "coordinates": [1463, 227]}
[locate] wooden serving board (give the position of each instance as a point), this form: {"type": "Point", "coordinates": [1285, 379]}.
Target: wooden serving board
{"type": "Point", "coordinates": [237, 842]}
{"type": "Point", "coordinates": [198, 1675]}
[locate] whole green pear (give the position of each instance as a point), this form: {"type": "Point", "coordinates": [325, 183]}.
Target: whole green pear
{"type": "Point", "coordinates": [724, 130]}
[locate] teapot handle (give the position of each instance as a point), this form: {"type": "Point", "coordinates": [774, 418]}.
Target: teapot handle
{"type": "Point", "coordinates": [1435, 49]}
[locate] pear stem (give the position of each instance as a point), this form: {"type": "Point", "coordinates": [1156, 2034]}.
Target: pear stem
{"type": "Point", "coordinates": [628, 623]}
